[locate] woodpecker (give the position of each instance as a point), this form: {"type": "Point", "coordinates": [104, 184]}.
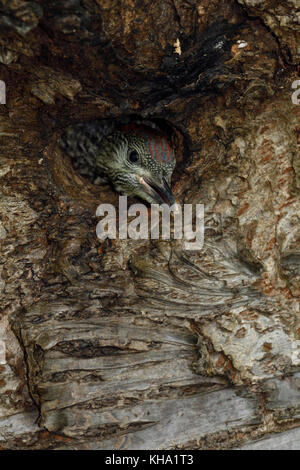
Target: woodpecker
{"type": "Point", "coordinates": [137, 159]}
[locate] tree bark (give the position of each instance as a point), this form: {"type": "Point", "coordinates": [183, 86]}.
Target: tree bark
{"type": "Point", "coordinates": [128, 344]}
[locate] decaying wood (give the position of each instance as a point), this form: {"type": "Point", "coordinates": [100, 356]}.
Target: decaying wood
{"type": "Point", "coordinates": [143, 344]}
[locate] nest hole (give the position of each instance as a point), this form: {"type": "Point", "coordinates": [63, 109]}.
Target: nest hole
{"type": "Point", "coordinates": [82, 182]}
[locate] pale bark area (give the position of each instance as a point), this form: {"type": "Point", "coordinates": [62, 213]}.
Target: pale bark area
{"type": "Point", "coordinates": [145, 345]}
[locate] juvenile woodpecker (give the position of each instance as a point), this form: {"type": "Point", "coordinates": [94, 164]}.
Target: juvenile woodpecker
{"type": "Point", "coordinates": [137, 159]}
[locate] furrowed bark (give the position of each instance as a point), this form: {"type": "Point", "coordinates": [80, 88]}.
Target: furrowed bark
{"type": "Point", "coordinates": [129, 344]}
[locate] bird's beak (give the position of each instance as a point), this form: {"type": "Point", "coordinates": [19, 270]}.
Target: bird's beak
{"type": "Point", "coordinates": [160, 193]}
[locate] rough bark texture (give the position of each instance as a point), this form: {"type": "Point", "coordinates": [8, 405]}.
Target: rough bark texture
{"type": "Point", "coordinates": [142, 344]}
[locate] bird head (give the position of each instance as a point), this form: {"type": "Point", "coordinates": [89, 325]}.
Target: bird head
{"type": "Point", "coordinates": [140, 161]}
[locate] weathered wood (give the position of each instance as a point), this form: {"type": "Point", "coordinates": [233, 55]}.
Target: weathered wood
{"type": "Point", "coordinates": [283, 396]}
{"type": "Point", "coordinates": [288, 440]}
{"type": "Point", "coordinates": [169, 423]}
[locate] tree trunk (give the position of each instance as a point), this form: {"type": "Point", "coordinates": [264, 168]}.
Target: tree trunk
{"type": "Point", "coordinates": [143, 344]}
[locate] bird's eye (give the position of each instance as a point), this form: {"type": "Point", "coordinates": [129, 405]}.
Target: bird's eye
{"type": "Point", "coordinates": [133, 156]}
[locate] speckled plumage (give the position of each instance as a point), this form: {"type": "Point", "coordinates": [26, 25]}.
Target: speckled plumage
{"type": "Point", "coordinates": [110, 151]}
